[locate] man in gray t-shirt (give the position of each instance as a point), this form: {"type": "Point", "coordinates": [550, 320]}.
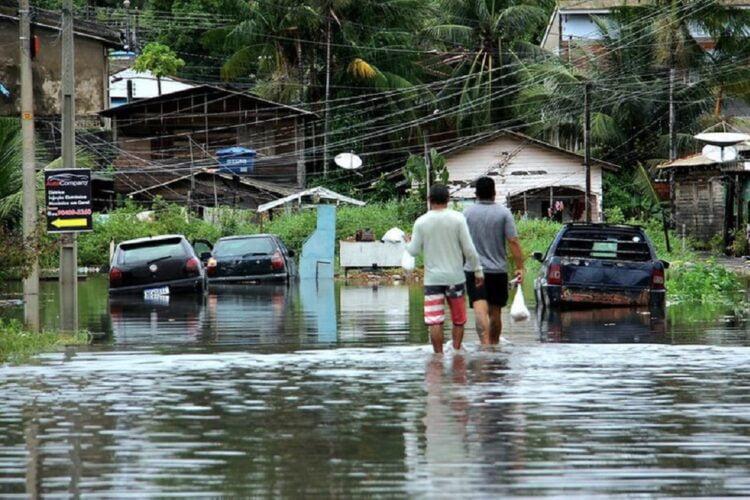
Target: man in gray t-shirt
{"type": "Point", "coordinates": [491, 225]}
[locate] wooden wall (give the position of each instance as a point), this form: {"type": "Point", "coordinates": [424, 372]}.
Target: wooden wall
{"type": "Point", "coordinates": [177, 131]}
{"type": "Point", "coordinates": [700, 203]}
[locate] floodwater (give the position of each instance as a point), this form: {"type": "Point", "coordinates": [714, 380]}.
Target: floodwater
{"type": "Point", "coordinates": [332, 391]}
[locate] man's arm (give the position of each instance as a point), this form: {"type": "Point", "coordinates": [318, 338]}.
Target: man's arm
{"type": "Point", "coordinates": [517, 252]}
{"type": "Point", "coordinates": [414, 245]}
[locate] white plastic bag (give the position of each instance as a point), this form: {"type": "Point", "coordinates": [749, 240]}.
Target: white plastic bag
{"type": "Point", "coordinates": [518, 310]}
{"type": "Point", "coordinates": [408, 262]}
{"type": "Point", "coordinates": [393, 235]}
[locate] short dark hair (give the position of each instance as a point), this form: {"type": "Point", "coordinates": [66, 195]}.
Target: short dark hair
{"type": "Point", "coordinates": [485, 188]}
{"type": "Point", "coordinates": [439, 194]}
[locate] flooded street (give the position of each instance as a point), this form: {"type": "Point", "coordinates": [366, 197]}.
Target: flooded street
{"type": "Point", "coordinates": [333, 391]}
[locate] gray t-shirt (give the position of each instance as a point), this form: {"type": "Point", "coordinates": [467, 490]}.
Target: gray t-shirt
{"type": "Point", "coordinates": [490, 226]}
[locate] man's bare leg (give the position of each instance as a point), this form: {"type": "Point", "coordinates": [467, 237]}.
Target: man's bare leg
{"type": "Point", "coordinates": [458, 336]}
{"type": "Point", "coordinates": [436, 337]}
{"type": "Point", "coordinates": [482, 320]}
{"type": "Point", "coordinates": [496, 324]}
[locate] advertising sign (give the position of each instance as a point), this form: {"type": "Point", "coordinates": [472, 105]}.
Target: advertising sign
{"type": "Point", "coordinates": [68, 194]}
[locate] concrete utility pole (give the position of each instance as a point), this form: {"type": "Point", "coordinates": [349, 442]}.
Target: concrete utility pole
{"type": "Point", "coordinates": [427, 165]}
{"type": "Point", "coordinates": [587, 146]}
{"type": "Point", "coordinates": [326, 118]}
{"type": "Point", "coordinates": [672, 127]}
{"type": "Point", "coordinates": [31, 283]}
{"type": "Point", "coordinates": [68, 244]}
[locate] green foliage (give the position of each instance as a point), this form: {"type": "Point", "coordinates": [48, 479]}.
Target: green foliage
{"type": "Point", "coordinates": [16, 253]}
{"type": "Point", "coordinates": [123, 224]}
{"type": "Point", "coordinates": [535, 235]}
{"type": "Point", "coordinates": [703, 281]}
{"type": "Point", "coordinates": [739, 242]}
{"type": "Point", "coordinates": [159, 59]}
{"type": "Point", "coordinates": [295, 228]}
{"type": "Point", "coordinates": [614, 215]}
{"type": "Point", "coordinates": [415, 170]}
{"type": "Point", "coordinates": [17, 345]}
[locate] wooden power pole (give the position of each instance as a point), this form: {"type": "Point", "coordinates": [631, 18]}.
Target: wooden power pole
{"type": "Point", "coordinates": [31, 283]}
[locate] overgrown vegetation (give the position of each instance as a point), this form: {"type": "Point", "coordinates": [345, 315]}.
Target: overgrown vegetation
{"type": "Point", "coordinates": [17, 345]}
{"type": "Point", "coordinates": [704, 281]}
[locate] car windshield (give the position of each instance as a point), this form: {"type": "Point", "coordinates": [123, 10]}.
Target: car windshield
{"type": "Point", "coordinates": [147, 251]}
{"type": "Point", "coordinates": [603, 244]}
{"type": "Point", "coordinates": [244, 246]}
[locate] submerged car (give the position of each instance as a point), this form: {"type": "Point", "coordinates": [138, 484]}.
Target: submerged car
{"type": "Point", "coordinates": [600, 264]}
{"type": "Point", "coordinates": [258, 257]}
{"type": "Point", "coordinates": [155, 267]}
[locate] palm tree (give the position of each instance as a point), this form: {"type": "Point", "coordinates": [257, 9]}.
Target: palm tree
{"type": "Point", "coordinates": [488, 35]}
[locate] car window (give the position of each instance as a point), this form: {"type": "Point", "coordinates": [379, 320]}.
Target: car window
{"type": "Point", "coordinates": [619, 245]}
{"type": "Point", "coordinates": [244, 246]}
{"type": "Point", "coordinates": [150, 250]}
{"type": "Point", "coordinates": [201, 247]}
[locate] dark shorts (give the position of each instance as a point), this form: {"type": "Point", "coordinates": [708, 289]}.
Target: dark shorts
{"type": "Point", "coordinates": [494, 290]}
{"type": "Point", "coordinates": [434, 304]}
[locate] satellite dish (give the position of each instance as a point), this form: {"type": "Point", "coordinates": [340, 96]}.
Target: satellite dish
{"type": "Point", "coordinates": [349, 161]}
{"type": "Point", "coordinates": [719, 154]}
{"type": "Point", "coordinates": [722, 138]}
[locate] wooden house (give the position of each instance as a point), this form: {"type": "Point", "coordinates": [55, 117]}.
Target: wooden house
{"type": "Point", "coordinates": [710, 198]}
{"type": "Point", "coordinates": [169, 137]}
{"type": "Point", "coordinates": [532, 177]}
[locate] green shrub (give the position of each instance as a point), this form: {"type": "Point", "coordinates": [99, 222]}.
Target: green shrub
{"type": "Point", "coordinates": [16, 344]}
{"type": "Point", "coordinates": [704, 281]}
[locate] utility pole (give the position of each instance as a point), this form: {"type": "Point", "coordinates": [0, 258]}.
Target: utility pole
{"type": "Point", "coordinates": [328, 95]}
{"type": "Point", "coordinates": [31, 283]}
{"type": "Point", "coordinates": [427, 165]}
{"type": "Point", "coordinates": [672, 127]}
{"type": "Point", "coordinates": [68, 244]}
{"type": "Point", "coordinates": [587, 146]}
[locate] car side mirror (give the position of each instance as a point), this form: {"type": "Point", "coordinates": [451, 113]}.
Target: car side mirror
{"type": "Point", "coordinates": [205, 255]}
{"type": "Point", "coordinates": [291, 253]}
{"type": "Point", "coordinates": [665, 264]}
{"type": "Point", "coordinates": [538, 256]}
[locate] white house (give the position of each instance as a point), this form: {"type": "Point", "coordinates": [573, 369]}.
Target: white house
{"type": "Point", "coordinates": [531, 176]}
{"type": "Point", "coordinates": [571, 24]}
{"type": "Point", "coordinates": [143, 84]}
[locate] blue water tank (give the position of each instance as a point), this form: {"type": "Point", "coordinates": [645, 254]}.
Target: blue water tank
{"type": "Point", "coordinates": [236, 160]}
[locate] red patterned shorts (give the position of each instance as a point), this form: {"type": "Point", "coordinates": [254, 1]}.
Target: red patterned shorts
{"type": "Point", "coordinates": [434, 304]}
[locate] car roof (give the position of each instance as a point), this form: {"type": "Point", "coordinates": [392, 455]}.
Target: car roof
{"type": "Point", "coordinates": [246, 236]}
{"type": "Point", "coordinates": [153, 238]}
{"type": "Point", "coordinates": [601, 225]}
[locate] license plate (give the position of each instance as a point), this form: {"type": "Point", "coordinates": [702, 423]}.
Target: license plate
{"type": "Point", "coordinates": [151, 293]}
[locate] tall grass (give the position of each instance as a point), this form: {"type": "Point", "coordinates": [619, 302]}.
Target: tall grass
{"type": "Point", "coordinates": [18, 345]}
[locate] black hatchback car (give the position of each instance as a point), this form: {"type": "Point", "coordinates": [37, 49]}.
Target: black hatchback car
{"type": "Point", "coordinates": [258, 257]}
{"type": "Point", "coordinates": [156, 266]}
{"type": "Point", "coordinates": [601, 264]}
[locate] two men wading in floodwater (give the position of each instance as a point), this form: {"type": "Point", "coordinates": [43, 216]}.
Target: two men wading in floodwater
{"type": "Point", "coordinates": [452, 263]}
{"type": "Point", "coordinates": [443, 237]}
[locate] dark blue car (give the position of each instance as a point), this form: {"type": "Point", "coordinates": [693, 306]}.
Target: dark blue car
{"type": "Point", "coordinates": [600, 265]}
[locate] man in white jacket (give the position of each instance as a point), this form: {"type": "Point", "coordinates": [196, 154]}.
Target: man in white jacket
{"type": "Point", "coordinates": [443, 237]}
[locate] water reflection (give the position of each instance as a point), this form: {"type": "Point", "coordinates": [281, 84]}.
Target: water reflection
{"type": "Point", "coordinates": [319, 304]}
{"type": "Point", "coordinates": [372, 312]}
{"type": "Point", "coordinates": [329, 391]}
{"type": "Point", "coordinates": [176, 319]}
{"type": "Point", "coordinates": [603, 325]}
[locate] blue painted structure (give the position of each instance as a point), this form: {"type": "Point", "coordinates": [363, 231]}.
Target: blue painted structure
{"type": "Point", "coordinates": [236, 160]}
{"type": "Point", "coordinates": [319, 305]}
{"type": "Point", "coordinates": [319, 250]}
